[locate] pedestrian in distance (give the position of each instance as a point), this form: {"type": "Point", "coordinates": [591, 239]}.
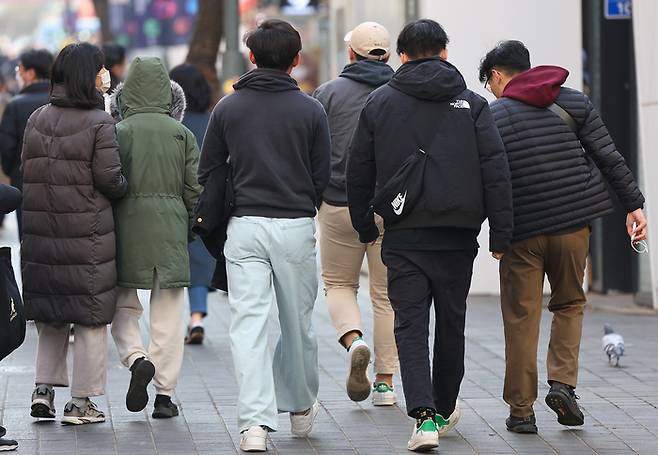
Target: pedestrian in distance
{"type": "Point", "coordinates": [33, 74]}
{"type": "Point", "coordinates": [71, 172]}
{"type": "Point", "coordinates": [161, 157]}
{"type": "Point", "coordinates": [427, 157]}
{"type": "Point", "coordinates": [115, 62]}
{"type": "Point", "coordinates": [341, 251]}
{"type": "Point", "coordinates": [277, 140]}
{"type": "Point", "coordinates": [202, 264]}
{"type": "Point", "coordinates": [561, 156]}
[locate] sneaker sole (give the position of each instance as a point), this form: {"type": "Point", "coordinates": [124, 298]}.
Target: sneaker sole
{"type": "Point", "coordinates": [8, 448]}
{"type": "Point", "coordinates": [253, 446]}
{"type": "Point", "coordinates": [137, 397]}
{"type": "Point", "coordinates": [423, 446]}
{"type": "Point", "coordinates": [562, 407]}
{"type": "Point", "coordinates": [358, 385]}
{"type": "Point", "coordinates": [315, 410]}
{"type": "Point", "coordinates": [81, 420]}
{"type": "Point", "coordinates": [42, 411]}
{"type": "Point", "coordinates": [526, 428]}
{"type": "Point", "coordinates": [383, 401]}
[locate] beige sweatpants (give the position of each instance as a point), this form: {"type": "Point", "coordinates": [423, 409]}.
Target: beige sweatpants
{"type": "Point", "coordinates": [166, 332]}
{"type": "Point", "coordinates": [89, 358]}
{"type": "Point", "coordinates": [341, 257]}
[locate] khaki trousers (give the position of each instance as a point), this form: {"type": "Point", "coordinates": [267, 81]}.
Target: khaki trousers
{"type": "Point", "coordinates": [166, 332]}
{"type": "Point", "coordinates": [562, 258]}
{"type": "Point", "coordinates": [89, 358]}
{"type": "Point", "coordinates": [341, 255]}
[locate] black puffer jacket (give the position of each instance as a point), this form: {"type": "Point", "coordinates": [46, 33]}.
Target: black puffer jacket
{"type": "Point", "coordinates": [558, 177]}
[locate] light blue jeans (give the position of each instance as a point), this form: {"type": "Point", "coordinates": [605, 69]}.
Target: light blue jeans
{"type": "Point", "coordinates": [268, 260]}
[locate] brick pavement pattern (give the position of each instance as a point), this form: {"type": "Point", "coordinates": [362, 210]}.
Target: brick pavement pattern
{"type": "Point", "coordinates": [620, 404]}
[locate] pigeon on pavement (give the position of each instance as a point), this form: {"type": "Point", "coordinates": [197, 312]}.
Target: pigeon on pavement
{"type": "Point", "coordinates": [613, 344]}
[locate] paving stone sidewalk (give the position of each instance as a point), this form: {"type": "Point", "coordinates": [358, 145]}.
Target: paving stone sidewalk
{"type": "Point", "coordinates": [620, 404]}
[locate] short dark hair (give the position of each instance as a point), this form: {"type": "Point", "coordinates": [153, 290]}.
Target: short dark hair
{"type": "Point", "coordinates": [76, 68]}
{"type": "Point", "coordinates": [39, 60]}
{"type": "Point", "coordinates": [422, 38]}
{"type": "Point", "coordinates": [274, 43]}
{"type": "Point", "coordinates": [115, 54]}
{"type": "Point", "coordinates": [194, 85]}
{"type": "Point", "coordinates": [510, 56]}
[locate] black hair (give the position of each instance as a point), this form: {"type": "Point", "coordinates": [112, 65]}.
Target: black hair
{"type": "Point", "coordinates": [39, 60]}
{"type": "Point", "coordinates": [422, 38]}
{"type": "Point", "coordinates": [115, 54]}
{"type": "Point", "coordinates": [274, 43]}
{"type": "Point", "coordinates": [76, 68]}
{"type": "Point", "coordinates": [194, 85]}
{"type": "Point", "coordinates": [510, 56]}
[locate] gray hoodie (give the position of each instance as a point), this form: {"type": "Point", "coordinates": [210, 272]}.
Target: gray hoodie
{"type": "Point", "coordinates": [343, 98]}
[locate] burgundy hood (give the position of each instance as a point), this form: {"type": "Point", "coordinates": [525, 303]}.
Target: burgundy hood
{"type": "Point", "coordinates": [539, 86]}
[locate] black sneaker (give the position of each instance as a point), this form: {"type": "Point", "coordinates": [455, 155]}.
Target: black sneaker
{"type": "Point", "coordinates": [164, 408]}
{"type": "Point", "coordinates": [142, 372]}
{"type": "Point", "coordinates": [562, 399]}
{"type": "Point", "coordinates": [3, 432]}
{"type": "Point", "coordinates": [524, 425]}
{"type": "Point", "coordinates": [7, 445]}
{"type": "Point", "coordinates": [195, 335]}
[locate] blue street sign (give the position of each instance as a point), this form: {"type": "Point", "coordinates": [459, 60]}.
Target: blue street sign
{"type": "Point", "coordinates": [617, 9]}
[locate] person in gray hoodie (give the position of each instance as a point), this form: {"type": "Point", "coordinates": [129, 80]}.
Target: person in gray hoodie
{"type": "Point", "coordinates": [341, 251]}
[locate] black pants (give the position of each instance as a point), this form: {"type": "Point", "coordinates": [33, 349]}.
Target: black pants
{"type": "Point", "coordinates": [415, 279]}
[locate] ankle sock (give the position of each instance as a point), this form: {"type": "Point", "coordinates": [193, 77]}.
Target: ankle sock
{"type": "Point", "coordinates": [422, 414]}
{"type": "Point", "coordinates": [79, 402]}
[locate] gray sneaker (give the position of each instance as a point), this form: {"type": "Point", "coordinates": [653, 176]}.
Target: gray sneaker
{"type": "Point", "coordinates": [43, 402]}
{"type": "Point", "coordinates": [89, 413]}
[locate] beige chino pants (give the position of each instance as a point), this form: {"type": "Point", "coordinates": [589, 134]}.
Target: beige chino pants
{"type": "Point", "coordinates": [341, 258]}
{"type": "Point", "coordinates": [166, 332]}
{"type": "Point", "coordinates": [89, 358]}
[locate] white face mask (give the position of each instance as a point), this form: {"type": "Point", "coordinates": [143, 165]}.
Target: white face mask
{"type": "Point", "coordinates": [106, 80]}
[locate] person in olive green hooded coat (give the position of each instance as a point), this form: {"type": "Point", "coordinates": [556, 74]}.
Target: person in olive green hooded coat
{"type": "Point", "coordinates": [160, 158]}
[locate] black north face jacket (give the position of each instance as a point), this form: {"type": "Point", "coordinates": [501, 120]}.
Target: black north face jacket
{"type": "Point", "coordinates": [427, 105]}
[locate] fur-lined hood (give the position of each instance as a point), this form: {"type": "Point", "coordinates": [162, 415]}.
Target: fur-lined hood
{"type": "Point", "coordinates": [147, 89]}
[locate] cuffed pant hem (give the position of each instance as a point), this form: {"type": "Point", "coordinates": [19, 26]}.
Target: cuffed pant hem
{"type": "Point", "coordinates": [132, 357]}
{"type": "Point", "coordinates": [51, 382]}
{"type": "Point", "coordinates": [570, 381]}
{"type": "Point", "coordinates": [167, 392]}
{"type": "Point", "coordinates": [347, 329]}
{"type": "Point", "coordinates": [87, 394]}
{"type": "Point", "coordinates": [521, 412]}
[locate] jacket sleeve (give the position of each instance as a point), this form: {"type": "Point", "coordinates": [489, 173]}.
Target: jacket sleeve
{"type": "Point", "coordinates": [597, 142]}
{"type": "Point", "coordinates": [9, 140]}
{"type": "Point", "coordinates": [214, 151]}
{"type": "Point", "coordinates": [361, 177]}
{"type": "Point", "coordinates": [496, 181]}
{"type": "Point", "coordinates": [321, 156]}
{"type": "Point", "coordinates": [106, 163]}
{"type": "Point", "coordinates": [192, 189]}
{"type": "Point", "coordinates": [10, 199]}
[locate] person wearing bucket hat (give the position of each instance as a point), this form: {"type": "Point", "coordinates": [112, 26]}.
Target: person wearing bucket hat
{"type": "Point", "coordinates": [341, 251]}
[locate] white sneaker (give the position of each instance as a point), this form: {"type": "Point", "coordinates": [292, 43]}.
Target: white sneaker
{"type": "Point", "coordinates": [446, 425]}
{"type": "Point", "coordinates": [383, 395]}
{"type": "Point", "coordinates": [425, 437]}
{"type": "Point", "coordinates": [301, 424]}
{"type": "Point", "coordinates": [254, 440]}
{"type": "Point", "coordinates": [358, 384]}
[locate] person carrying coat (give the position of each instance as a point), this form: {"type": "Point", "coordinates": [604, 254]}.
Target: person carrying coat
{"type": "Point", "coordinates": [161, 157]}
{"type": "Point", "coordinates": [71, 172]}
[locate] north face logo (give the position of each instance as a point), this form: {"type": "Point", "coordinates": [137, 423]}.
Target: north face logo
{"type": "Point", "coordinates": [460, 104]}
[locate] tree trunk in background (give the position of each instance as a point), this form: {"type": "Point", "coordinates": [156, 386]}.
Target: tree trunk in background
{"type": "Point", "coordinates": [204, 46]}
{"type": "Point", "coordinates": [103, 12]}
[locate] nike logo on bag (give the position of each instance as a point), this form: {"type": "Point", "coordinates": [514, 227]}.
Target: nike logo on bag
{"type": "Point", "coordinates": [398, 203]}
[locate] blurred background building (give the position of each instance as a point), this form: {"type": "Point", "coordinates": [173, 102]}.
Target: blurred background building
{"type": "Point", "coordinates": [609, 51]}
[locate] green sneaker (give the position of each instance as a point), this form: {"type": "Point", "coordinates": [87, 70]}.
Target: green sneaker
{"type": "Point", "coordinates": [383, 394]}
{"type": "Point", "coordinates": [445, 425]}
{"type": "Point", "coordinates": [424, 436]}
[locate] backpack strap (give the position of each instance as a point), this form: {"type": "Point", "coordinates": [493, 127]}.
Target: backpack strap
{"type": "Point", "coordinates": [565, 116]}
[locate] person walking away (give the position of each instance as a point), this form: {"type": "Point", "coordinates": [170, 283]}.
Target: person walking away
{"type": "Point", "coordinates": [277, 140]}
{"type": "Point", "coordinates": [202, 264]}
{"type": "Point", "coordinates": [71, 172]}
{"type": "Point", "coordinates": [32, 72]}
{"type": "Point", "coordinates": [561, 156]}
{"type": "Point", "coordinates": [341, 252]}
{"type": "Point", "coordinates": [430, 147]}
{"type": "Point", "coordinates": [160, 158]}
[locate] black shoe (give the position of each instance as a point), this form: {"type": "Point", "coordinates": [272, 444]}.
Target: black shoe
{"type": "Point", "coordinates": [3, 432]}
{"type": "Point", "coordinates": [562, 400]}
{"type": "Point", "coordinates": [195, 335]}
{"type": "Point", "coordinates": [525, 425]}
{"type": "Point", "coordinates": [164, 408]}
{"type": "Point", "coordinates": [142, 372]}
{"type": "Point", "coordinates": [7, 445]}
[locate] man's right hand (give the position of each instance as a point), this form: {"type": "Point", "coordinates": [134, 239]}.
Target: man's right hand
{"type": "Point", "coordinates": [636, 225]}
